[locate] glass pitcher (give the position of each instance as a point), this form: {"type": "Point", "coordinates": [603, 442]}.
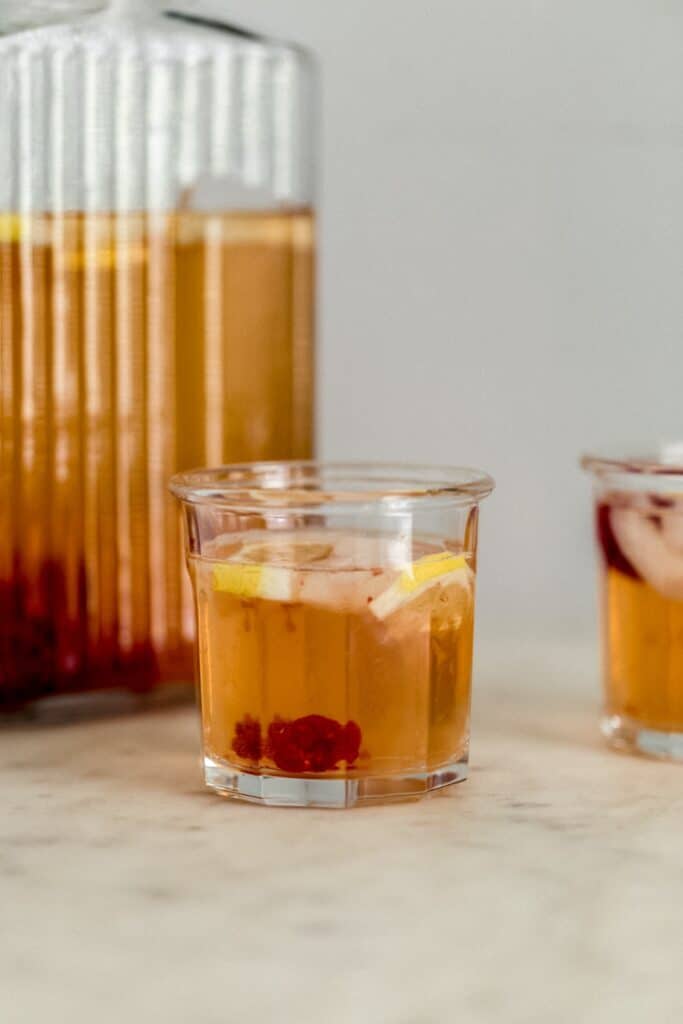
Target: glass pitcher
{"type": "Point", "coordinates": [156, 313]}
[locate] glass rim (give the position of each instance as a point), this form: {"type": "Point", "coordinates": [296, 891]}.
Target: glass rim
{"type": "Point", "coordinates": [658, 458]}
{"type": "Point", "coordinates": [286, 485]}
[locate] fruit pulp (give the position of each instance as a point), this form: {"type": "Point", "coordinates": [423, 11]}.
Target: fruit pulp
{"type": "Point", "coordinates": [132, 346]}
{"type": "Point", "coordinates": [332, 653]}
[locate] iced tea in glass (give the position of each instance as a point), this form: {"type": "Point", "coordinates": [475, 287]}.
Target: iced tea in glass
{"type": "Point", "coordinates": [639, 528]}
{"type": "Point", "coordinates": [335, 609]}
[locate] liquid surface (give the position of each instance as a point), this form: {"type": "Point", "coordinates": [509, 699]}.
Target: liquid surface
{"type": "Point", "coordinates": [130, 348]}
{"type": "Point", "coordinates": [641, 539]}
{"type": "Point", "coordinates": [334, 653]}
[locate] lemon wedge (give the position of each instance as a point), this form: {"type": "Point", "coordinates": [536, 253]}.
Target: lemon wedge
{"type": "Point", "coordinates": [248, 581]}
{"type": "Point", "coordinates": [439, 568]}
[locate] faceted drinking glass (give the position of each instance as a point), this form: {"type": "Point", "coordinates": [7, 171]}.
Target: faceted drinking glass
{"type": "Point", "coordinates": [639, 525]}
{"type": "Point", "coordinates": [335, 608]}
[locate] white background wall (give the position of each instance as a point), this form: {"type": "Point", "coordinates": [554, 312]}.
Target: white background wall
{"type": "Point", "coordinates": [502, 254]}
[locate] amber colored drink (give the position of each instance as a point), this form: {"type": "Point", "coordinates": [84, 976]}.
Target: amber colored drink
{"type": "Point", "coordinates": [130, 347]}
{"type": "Point", "coordinates": [641, 539]}
{"type": "Point", "coordinates": [333, 654]}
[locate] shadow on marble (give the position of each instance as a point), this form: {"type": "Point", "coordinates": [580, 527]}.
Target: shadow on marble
{"type": "Point", "coordinates": [154, 750]}
{"type": "Point", "coordinates": [70, 709]}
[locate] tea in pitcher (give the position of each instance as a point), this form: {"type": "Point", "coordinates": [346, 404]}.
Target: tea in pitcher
{"type": "Point", "coordinates": [131, 347]}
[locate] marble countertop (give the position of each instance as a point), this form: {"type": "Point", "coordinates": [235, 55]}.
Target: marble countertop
{"type": "Point", "coordinates": [547, 888]}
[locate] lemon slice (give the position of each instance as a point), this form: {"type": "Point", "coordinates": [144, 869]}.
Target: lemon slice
{"type": "Point", "coordinates": [32, 229]}
{"type": "Point", "coordinates": [268, 581]}
{"type": "Point", "coordinates": [10, 227]}
{"type": "Point", "coordinates": [431, 570]}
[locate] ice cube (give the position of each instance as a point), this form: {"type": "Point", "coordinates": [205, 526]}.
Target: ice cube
{"type": "Point", "coordinates": [672, 526]}
{"type": "Point", "coordinates": [452, 602]}
{"type": "Point", "coordinates": [654, 551]}
{"type": "Point", "coordinates": [290, 552]}
{"type": "Point", "coordinates": [342, 589]}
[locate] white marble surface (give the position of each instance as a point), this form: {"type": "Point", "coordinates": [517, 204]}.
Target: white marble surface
{"type": "Point", "coordinates": [548, 888]}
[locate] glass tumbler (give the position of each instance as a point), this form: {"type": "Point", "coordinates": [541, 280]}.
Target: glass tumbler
{"type": "Point", "coordinates": [639, 525]}
{"type": "Point", "coordinates": [335, 608]}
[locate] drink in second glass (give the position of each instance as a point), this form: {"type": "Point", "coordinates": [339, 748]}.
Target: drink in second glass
{"type": "Point", "coordinates": [335, 613]}
{"type": "Point", "coordinates": [639, 525]}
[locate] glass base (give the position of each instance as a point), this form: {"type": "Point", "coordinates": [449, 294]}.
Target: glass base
{"type": "Point", "coordinates": [284, 791]}
{"type": "Point", "coordinates": [627, 734]}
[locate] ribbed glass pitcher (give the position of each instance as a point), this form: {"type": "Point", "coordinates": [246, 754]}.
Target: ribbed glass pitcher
{"type": "Point", "coordinates": [156, 313]}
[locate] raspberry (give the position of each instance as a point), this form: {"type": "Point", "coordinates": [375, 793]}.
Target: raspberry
{"type": "Point", "coordinates": [246, 742]}
{"type": "Point", "coordinates": [313, 743]}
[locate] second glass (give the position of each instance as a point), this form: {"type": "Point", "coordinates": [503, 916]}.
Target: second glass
{"type": "Point", "coordinates": [335, 610]}
{"type": "Point", "coordinates": [639, 525]}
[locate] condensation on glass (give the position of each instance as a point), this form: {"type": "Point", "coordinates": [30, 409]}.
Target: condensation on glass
{"type": "Point", "coordinates": [156, 313]}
